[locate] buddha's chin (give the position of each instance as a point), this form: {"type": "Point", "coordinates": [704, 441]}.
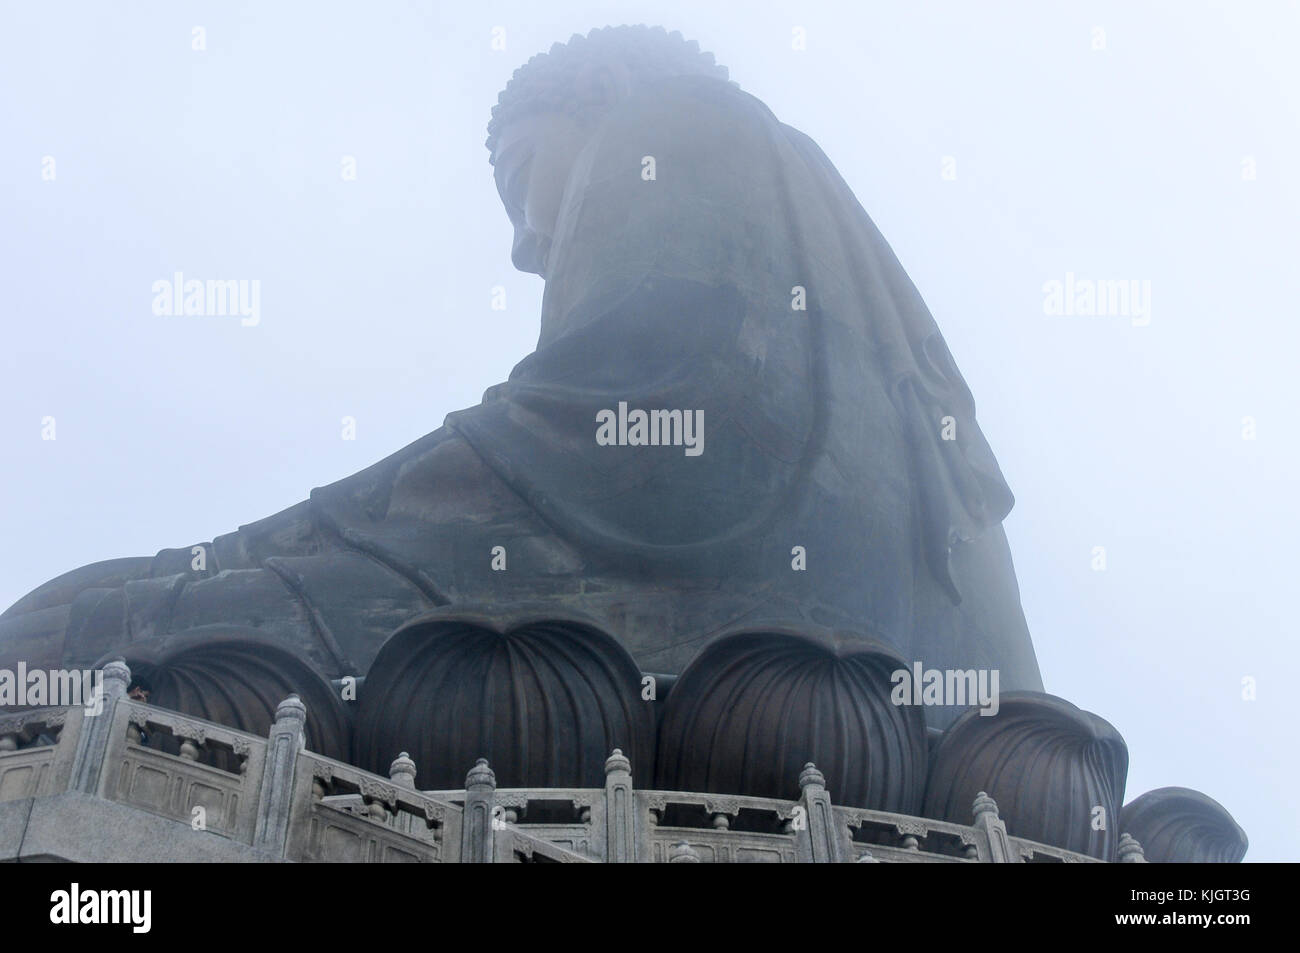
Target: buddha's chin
{"type": "Point", "coordinates": [537, 265]}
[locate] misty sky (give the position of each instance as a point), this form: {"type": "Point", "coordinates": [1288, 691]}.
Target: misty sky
{"type": "Point", "coordinates": [1133, 162]}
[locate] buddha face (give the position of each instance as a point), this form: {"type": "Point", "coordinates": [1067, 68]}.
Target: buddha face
{"type": "Point", "coordinates": [532, 160]}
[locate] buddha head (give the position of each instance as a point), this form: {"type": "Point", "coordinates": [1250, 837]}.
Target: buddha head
{"type": "Point", "coordinates": [549, 109]}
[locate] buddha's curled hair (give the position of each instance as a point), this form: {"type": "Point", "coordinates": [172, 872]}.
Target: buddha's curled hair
{"type": "Point", "coordinates": [575, 78]}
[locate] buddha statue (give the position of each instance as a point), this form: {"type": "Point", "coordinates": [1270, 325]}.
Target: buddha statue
{"type": "Point", "coordinates": [741, 430]}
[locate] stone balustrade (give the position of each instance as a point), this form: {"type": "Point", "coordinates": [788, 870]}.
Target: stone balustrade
{"type": "Point", "coordinates": [28, 745]}
{"type": "Point", "coordinates": [193, 789]}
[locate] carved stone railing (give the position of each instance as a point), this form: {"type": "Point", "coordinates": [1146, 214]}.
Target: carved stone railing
{"type": "Point", "coordinates": [211, 783]}
{"type": "Point", "coordinates": [29, 744]}
{"type": "Point", "coordinates": [282, 802]}
{"type": "Point", "coordinates": [900, 838]}
{"type": "Point", "coordinates": [707, 823]}
{"type": "Point", "coordinates": [340, 813]}
{"type": "Point", "coordinates": [267, 794]}
{"type": "Point", "coordinates": [688, 827]}
{"type": "Point", "coordinates": [514, 846]}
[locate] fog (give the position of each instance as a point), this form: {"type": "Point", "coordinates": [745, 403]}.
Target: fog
{"type": "Point", "coordinates": [999, 150]}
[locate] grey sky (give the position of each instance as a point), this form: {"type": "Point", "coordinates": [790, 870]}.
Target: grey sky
{"type": "Point", "coordinates": [1125, 163]}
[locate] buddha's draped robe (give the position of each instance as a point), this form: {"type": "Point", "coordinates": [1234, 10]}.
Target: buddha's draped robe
{"type": "Point", "coordinates": [824, 428]}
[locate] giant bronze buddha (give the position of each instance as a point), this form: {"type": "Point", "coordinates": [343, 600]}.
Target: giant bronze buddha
{"type": "Point", "coordinates": [789, 498]}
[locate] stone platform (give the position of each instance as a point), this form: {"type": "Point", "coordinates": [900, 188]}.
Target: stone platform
{"type": "Point", "coordinates": [103, 788]}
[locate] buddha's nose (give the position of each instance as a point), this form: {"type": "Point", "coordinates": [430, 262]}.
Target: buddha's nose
{"type": "Point", "coordinates": [527, 253]}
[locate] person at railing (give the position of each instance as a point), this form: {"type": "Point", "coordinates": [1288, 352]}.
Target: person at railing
{"type": "Point", "coordinates": [40, 740]}
{"type": "Point", "coordinates": [139, 691]}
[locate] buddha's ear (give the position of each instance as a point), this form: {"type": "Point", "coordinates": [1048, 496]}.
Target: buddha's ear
{"type": "Point", "coordinates": [603, 84]}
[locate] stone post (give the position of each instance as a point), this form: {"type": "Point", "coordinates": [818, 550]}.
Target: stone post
{"type": "Point", "coordinates": [987, 822]}
{"type": "Point", "coordinates": [477, 836]}
{"type": "Point", "coordinates": [97, 731]}
{"type": "Point", "coordinates": [402, 772]}
{"type": "Point", "coordinates": [273, 805]}
{"type": "Point", "coordinates": [823, 843]}
{"type": "Point", "coordinates": [1130, 851]}
{"type": "Point", "coordinates": [620, 840]}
